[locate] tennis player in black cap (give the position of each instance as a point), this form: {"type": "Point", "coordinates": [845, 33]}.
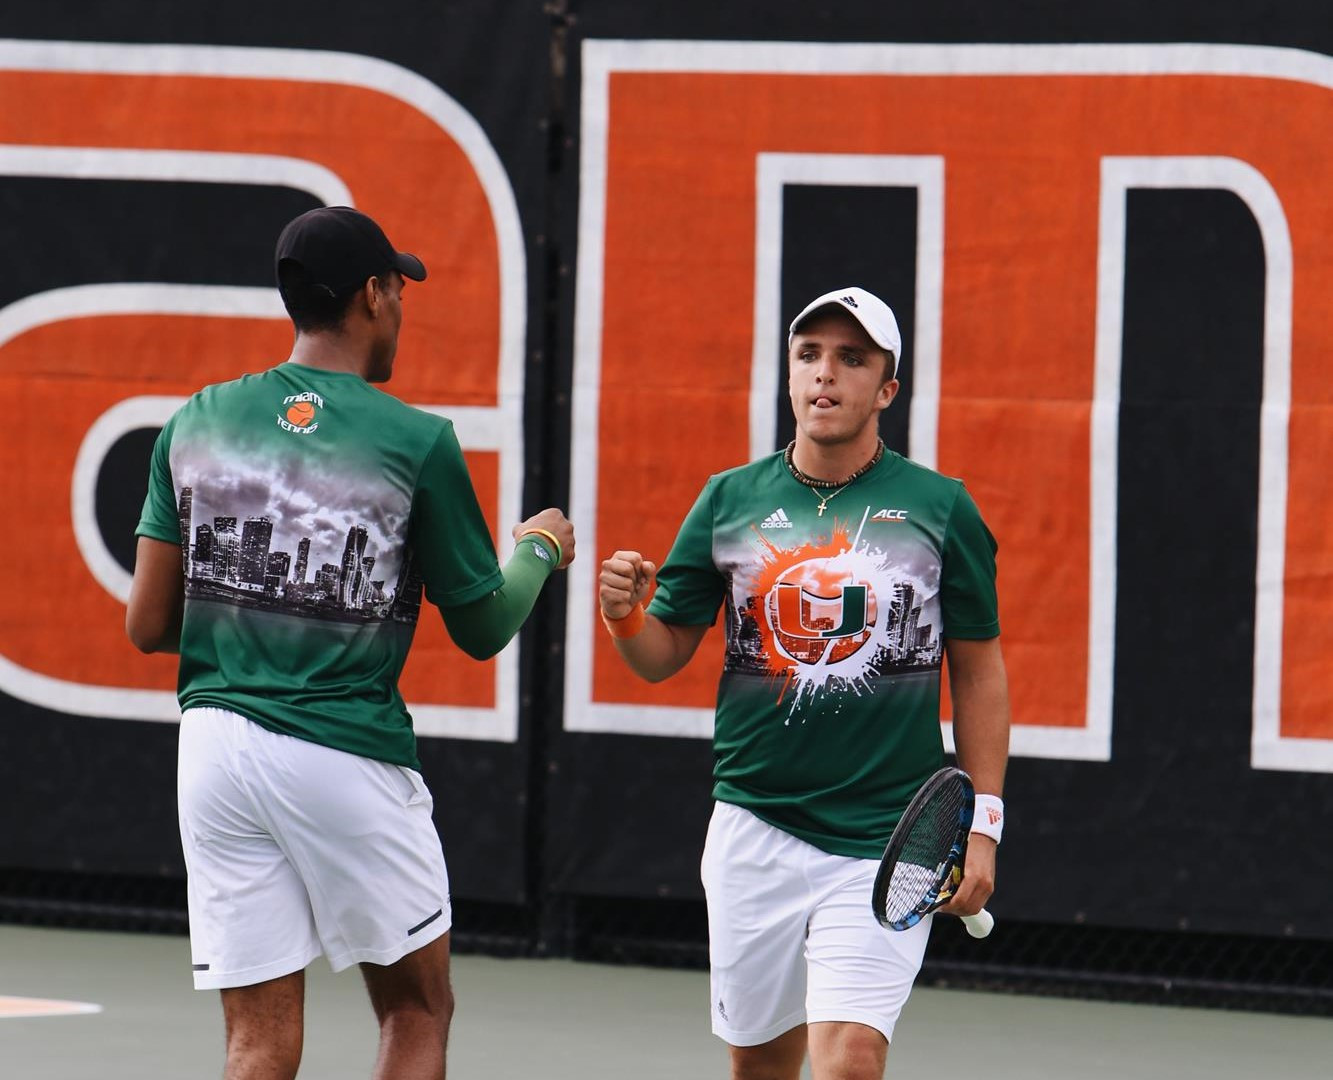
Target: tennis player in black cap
{"type": "Point", "coordinates": [293, 521]}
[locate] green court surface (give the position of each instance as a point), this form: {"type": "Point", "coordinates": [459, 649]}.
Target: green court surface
{"type": "Point", "coordinates": [561, 1020]}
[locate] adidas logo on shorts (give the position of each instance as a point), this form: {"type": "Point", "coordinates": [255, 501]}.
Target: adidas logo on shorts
{"type": "Point", "coordinates": [778, 519]}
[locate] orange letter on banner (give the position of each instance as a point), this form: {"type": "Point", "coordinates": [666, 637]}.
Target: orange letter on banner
{"type": "Point", "coordinates": [393, 140]}
{"type": "Point", "coordinates": [1023, 151]}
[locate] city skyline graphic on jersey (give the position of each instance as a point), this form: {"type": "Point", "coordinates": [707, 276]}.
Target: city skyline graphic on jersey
{"type": "Point", "coordinates": [327, 550]}
{"type": "Point", "coordinates": [833, 614]}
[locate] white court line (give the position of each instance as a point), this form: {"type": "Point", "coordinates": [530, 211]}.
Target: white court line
{"type": "Point", "coordinates": [14, 1008]}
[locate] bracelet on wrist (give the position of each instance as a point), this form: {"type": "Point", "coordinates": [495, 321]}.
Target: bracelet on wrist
{"type": "Point", "coordinates": [540, 548]}
{"type": "Point", "coordinates": [627, 625]}
{"type": "Point", "coordinates": [559, 551]}
{"type": "Point", "coordinates": [988, 816]}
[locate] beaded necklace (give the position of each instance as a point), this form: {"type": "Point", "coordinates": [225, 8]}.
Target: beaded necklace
{"type": "Point", "coordinates": [841, 485]}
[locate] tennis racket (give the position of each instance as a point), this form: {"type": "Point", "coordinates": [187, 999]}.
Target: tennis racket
{"type": "Point", "coordinates": [923, 862]}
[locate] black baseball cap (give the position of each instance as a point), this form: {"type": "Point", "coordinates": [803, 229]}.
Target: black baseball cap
{"type": "Point", "coordinates": [340, 248]}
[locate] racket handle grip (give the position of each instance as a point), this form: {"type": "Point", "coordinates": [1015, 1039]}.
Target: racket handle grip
{"type": "Point", "coordinates": [979, 925]}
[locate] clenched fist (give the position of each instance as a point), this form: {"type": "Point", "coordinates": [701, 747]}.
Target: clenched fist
{"type": "Point", "coordinates": [626, 578]}
{"type": "Point", "coordinates": [553, 521]}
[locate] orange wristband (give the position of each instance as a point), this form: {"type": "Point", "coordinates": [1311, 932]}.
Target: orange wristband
{"type": "Point", "coordinates": [628, 625]}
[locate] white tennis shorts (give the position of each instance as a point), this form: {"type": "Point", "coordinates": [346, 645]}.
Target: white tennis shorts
{"type": "Point", "coordinates": [792, 938]}
{"type": "Point", "coordinates": [294, 849]}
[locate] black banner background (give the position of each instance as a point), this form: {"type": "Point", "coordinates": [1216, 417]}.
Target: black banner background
{"type": "Point", "coordinates": [1176, 831]}
{"type": "Point", "coordinates": [99, 796]}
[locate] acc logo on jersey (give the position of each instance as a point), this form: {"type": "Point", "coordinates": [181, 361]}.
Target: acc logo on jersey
{"type": "Point", "coordinates": [300, 412]}
{"type": "Point", "coordinates": [889, 515]}
{"type": "Point", "coordinates": [818, 615]}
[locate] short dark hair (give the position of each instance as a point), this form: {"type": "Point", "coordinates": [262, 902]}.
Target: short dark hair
{"type": "Point", "coordinates": [314, 308]}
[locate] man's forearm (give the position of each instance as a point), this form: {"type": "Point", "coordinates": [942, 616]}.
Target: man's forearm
{"type": "Point", "coordinates": [484, 627]}
{"type": "Point", "coordinates": [980, 693]}
{"type": "Point", "coordinates": [981, 739]}
{"type": "Point", "coordinates": [156, 607]}
{"type": "Point", "coordinates": [660, 649]}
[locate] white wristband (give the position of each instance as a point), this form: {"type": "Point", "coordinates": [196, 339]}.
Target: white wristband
{"type": "Point", "coordinates": [988, 816]}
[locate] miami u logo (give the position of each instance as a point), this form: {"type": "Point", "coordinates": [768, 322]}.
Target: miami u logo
{"type": "Point", "coordinates": [792, 602]}
{"type": "Point", "coordinates": [818, 612]}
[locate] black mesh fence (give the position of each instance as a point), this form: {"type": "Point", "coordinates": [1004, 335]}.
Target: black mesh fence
{"type": "Point", "coordinates": [1286, 975]}
{"type": "Point", "coordinates": [141, 905]}
{"type": "Point", "coordinates": [1154, 967]}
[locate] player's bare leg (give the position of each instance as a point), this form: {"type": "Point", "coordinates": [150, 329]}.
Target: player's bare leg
{"type": "Point", "coordinates": [846, 1051]}
{"type": "Point", "coordinates": [265, 1028]}
{"type": "Point", "coordinates": [414, 1003]}
{"type": "Point", "coordinates": [777, 1059]}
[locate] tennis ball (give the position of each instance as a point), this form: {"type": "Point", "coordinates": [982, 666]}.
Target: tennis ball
{"type": "Point", "coordinates": [301, 414]}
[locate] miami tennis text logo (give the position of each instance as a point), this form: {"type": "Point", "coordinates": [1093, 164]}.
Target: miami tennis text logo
{"type": "Point", "coordinates": [299, 413]}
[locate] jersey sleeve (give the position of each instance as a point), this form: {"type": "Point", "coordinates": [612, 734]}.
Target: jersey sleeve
{"type": "Point", "coordinates": [967, 578]}
{"type": "Point", "coordinates": [448, 535]}
{"type": "Point", "coordinates": [689, 587]}
{"type": "Point", "coordinates": [160, 519]}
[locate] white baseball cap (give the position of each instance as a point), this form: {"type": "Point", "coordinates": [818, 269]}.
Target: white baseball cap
{"type": "Point", "coordinates": [869, 310]}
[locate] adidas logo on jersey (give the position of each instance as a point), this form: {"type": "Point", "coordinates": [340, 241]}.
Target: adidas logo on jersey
{"type": "Point", "coordinates": [889, 515]}
{"type": "Point", "coordinates": [778, 519]}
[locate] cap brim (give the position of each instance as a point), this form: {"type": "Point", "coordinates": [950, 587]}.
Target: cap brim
{"type": "Point", "coordinates": [409, 266]}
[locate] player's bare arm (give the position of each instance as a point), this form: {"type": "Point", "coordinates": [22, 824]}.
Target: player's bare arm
{"type": "Point", "coordinates": [659, 649]}
{"type": "Point", "coordinates": [157, 597]}
{"type": "Point", "coordinates": [980, 693]}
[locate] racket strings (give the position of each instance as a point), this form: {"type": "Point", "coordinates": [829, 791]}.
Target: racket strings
{"type": "Point", "coordinates": [927, 855]}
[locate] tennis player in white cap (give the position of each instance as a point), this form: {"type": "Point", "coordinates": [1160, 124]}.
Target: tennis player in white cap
{"type": "Point", "coordinates": [845, 573]}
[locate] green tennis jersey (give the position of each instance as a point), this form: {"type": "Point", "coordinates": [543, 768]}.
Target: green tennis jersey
{"type": "Point", "coordinates": [828, 706]}
{"type": "Point", "coordinates": [312, 510]}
